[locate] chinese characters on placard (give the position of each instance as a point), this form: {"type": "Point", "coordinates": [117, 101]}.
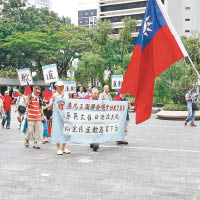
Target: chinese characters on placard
{"type": "Point", "coordinates": [92, 118]}
{"type": "Point", "coordinates": [24, 76]}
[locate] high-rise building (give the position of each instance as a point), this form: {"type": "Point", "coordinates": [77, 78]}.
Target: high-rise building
{"type": "Point", "coordinates": [87, 18]}
{"type": "Point", "coordinates": [40, 3]}
{"type": "Point", "coordinates": [184, 15]}
{"type": "Point", "coordinates": [116, 10]}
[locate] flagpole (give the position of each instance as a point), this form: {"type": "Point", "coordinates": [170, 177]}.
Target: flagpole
{"type": "Point", "coordinates": [195, 69]}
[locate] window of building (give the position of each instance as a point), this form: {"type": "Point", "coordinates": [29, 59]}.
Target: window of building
{"type": "Point", "coordinates": [120, 18]}
{"type": "Point", "coordinates": [123, 6]}
{"type": "Point", "coordinates": [187, 8]}
{"type": "Point", "coordinates": [187, 20]}
{"type": "Point", "coordinates": [187, 31]}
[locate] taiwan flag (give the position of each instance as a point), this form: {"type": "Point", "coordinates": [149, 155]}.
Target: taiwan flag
{"type": "Point", "coordinates": [47, 94]}
{"type": "Point", "coordinates": [117, 97]}
{"type": "Point", "coordinates": [28, 90]}
{"type": "Point", "coordinates": [15, 93]}
{"type": "Point", "coordinates": [158, 46]}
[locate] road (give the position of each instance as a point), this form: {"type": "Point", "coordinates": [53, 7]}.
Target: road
{"type": "Point", "coordinates": [162, 161]}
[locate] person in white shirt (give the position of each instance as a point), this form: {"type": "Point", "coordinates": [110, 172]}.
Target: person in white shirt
{"type": "Point", "coordinates": [58, 138]}
{"type": "Point", "coordinates": [2, 113]}
{"type": "Point", "coordinates": [105, 95]}
{"type": "Point", "coordinates": [20, 107]}
{"type": "Point", "coordinates": [81, 93]}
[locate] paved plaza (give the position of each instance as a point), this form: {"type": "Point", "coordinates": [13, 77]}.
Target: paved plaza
{"type": "Point", "coordinates": [162, 161]}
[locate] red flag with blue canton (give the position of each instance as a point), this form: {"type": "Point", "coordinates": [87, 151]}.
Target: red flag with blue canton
{"type": "Point", "coordinates": [158, 46]}
{"type": "Point", "coordinates": [15, 93]}
{"type": "Point", "coordinates": [27, 89]}
{"type": "Point", "coordinates": [48, 93]}
{"type": "Point", "coordinates": [117, 97]}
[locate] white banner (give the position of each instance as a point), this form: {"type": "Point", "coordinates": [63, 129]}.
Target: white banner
{"type": "Point", "coordinates": [50, 73]}
{"type": "Point", "coordinates": [117, 81]}
{"type": "Point", "coordinates": [69, 86]}
{"type": "Point", "coordinates": [88, 121]}
{"type": "Point", "coordinates": [25, 76]}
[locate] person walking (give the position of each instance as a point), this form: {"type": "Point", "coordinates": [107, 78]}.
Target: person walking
{"type": "Point", "coordinates": [35, 115]}
{"type": "Point", "coordinates": [47, 114]}
{"type": "Point", "coordinates": [105, 95]}
{"type": "Point", "coordinates": [7, 102]}
{"type": "Point", "coordinates": [2, 114]}
{"type": "Point", "coordinates": [95, 96]}
{"type": "Point", "coordinates": [123, 98]}
{"type": "Point", "coordinates": [58, 138]}
{"type": "Point", "coordinates": [191, 98]}
{"type": "Point", "coordinates": [20, 107]}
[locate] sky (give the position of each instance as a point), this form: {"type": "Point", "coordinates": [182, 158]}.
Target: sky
{"type": "Point", "coordinates": [69, 8]}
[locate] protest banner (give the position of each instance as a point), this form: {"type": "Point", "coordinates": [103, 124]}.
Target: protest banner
{"type": "Point", "coordinates": [25, 76]}
{"type": "Point", "coordinates": [116, 81]}
{"type": "Point", "coordinates": [50, 73]}
{"type": "Point", "coordinates": [89, 121]}
{"type": "Point", "coordinates": [69, 86]}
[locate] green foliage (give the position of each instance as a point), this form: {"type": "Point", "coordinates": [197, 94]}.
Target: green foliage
{"type": "Point", "coordinates": [175, 107]}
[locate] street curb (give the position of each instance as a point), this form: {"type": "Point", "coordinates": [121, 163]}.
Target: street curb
{"type": "Point", "coordinates": [163, 114]}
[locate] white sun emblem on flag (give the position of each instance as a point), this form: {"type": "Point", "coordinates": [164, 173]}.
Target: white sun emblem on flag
{"type": "Point", "coordinates": [146, 28]}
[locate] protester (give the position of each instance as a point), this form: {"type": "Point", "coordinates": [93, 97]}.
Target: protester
{"type": "Point", "coordinates": [88, 93]}
{"type": "Point", "coordinates": [35, 115]}
{"type": "Point", "coordinates": [123, 98]}
{"type": "Point", "coordinates": [105, 95]}
{"type": "Point", "coordinates": [191, 98]}
{"type": "Point", "coordinates": [7, 102]}
{"type": "Point", "coordinates": [81, 93]}
{"type": "Point", "coordinates": [58, 138]}
{"type": "Point", "coordinates": [20, 107]}
{"type": "Point", "coordinates": [75, 96]}
{"type": "Point", "coordinates": [95, 96]}
{"type": "Point", "coordinates": [47, 114]}
{"type": "Point", "coordinates": [2, 114]}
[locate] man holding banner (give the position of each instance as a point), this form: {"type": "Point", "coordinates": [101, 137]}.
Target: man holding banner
{"type": "Point", "coordinates": [58, 137]}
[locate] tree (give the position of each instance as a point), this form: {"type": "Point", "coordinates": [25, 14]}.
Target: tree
{"type": "Point", "coordinates": [90, 69]}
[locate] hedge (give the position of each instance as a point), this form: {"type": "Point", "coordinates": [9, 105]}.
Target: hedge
{"type": "Point", "coordinates": [177, 107]}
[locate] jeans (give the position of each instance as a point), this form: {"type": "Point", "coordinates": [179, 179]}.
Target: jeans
{"type": "Point", "coordinates": [191, 115]}
{"type": "Point", "coordinates": [45, 132]}
{"type": "Point", "coordinates": [7, 113]}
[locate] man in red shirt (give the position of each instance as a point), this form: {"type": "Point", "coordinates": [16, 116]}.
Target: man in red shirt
{"type": "Point", "coordinates": [7, 102]}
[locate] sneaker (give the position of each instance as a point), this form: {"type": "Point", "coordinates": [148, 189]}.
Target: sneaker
{"type": "Point", "coordinates": [119, 142]}
{"type": "Point", "coordinates": [35, 146]}
{"type": "Point", "coordinates": [67, 151]}
{"type": "Point", "coordinates": [193, 125]}
{"type": "Point", "coordinates": [60, 152]}
{"type": "Point", "coordinates": [2, 126]}
{"type": "Point", "coordinates": [185, 123]}
{"type": "Point", "coordinates": [26, 143]}
{"type": "Point", "coordinates": [8, 127]}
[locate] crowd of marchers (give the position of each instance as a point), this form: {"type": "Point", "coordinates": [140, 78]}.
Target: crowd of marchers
{"type": "Point", "coordinates": [34, 113]}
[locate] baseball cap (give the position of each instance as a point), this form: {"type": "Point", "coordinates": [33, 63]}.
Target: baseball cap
{"type": "Point", "coordinates": [59, 83]}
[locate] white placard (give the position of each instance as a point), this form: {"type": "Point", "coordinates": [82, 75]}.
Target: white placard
{"type": "Point", "coordinates": [69, 86]}
{"type": "Point", "coordinates": [50, 73]}
{"type": "Point", "coordinates": [25, 76]}
{"type": "Point", "coordinates": [116, 81]}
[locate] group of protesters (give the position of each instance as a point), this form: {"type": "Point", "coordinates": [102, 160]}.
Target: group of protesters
{"type": "Point", "coordinates": [32, 109]}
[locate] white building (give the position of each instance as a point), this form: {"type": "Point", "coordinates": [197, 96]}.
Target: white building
{"type": "Point", "coordinates": [40, 3]}
{"type": "Point", "coordinates": [116, 10]}
{"type": "Point", "coordinates": [184, 15]}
